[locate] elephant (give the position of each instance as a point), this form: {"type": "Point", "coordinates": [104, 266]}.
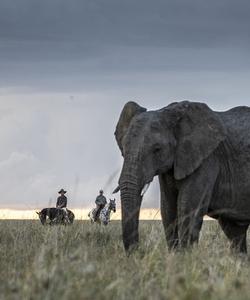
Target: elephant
{"type": "Point", "coordinates": [202, 160]}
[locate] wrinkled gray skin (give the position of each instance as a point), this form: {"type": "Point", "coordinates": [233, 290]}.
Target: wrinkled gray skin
{"type": "Point", "coordinates": [202, 159]}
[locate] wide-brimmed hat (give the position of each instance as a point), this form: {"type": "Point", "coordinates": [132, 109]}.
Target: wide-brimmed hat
{"type": "Point", "coordinates": [62, 191]}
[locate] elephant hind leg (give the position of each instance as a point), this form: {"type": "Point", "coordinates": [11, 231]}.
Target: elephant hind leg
{"type": "Point", "coordinates": [235, 233]}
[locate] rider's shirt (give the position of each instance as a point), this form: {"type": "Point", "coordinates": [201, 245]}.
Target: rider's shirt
{"type": "Point", "coordinates": [101, 200]}
{"type": "Point", "coordinates": [61, 201]}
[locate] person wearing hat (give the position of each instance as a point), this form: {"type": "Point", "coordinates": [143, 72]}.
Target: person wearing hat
{"type": "Point", "coordinates": [62, 202]}
{"type": "Point", "coordinates": [100, 203]}
{"type": "Point", "coordinates": [62, 199]}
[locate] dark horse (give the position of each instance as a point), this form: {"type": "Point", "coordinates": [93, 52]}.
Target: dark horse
{"type": "Point", "coordinates": [55, 216]}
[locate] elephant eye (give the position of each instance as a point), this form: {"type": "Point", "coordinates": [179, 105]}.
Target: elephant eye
{"type": "Point", "coordinates": [157, 150]}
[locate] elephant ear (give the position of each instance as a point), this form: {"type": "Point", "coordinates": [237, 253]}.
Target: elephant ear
{"type": "Point", "coordinates": [130, 110]}
{"type": "Point", "coordinates": [199, 131]}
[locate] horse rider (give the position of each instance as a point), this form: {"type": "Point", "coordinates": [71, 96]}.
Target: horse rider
{"type": "Point", "coordinates": [100, 204]}
{"type": "Point", "coordinates": [62, 202]}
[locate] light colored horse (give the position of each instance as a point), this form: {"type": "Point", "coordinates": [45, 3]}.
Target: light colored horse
{"type": "Point", "coordinates": [104, 217]}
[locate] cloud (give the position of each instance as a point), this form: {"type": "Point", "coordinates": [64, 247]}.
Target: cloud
{"type": "Point", "coordinates": [51, 144]}
{"type": "Point", "coordinates": [160, 23]}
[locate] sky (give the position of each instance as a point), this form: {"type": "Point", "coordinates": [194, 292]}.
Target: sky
{"type": "Point", "coordinates": [68, 67]}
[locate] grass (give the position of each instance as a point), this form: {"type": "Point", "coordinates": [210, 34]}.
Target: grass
{"type": "Point", "coordinates": [85, 261]}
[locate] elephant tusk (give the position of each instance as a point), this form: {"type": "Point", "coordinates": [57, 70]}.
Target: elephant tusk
{"type": "Point", "coordinates": [145, 188]}
{"type": "Point", "coordinates": [116, 190]}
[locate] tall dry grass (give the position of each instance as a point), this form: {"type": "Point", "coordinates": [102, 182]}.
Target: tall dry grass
{"type": "Point", "coordinates": [86, 261]}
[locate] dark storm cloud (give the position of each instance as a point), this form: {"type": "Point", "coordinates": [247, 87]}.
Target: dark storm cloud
{"type": "Point", "coordinates": [87, 39]}
{"type": "Point", "coordinates": [160, 23]}
{"type": "Point", "coordinates": [76, 38]}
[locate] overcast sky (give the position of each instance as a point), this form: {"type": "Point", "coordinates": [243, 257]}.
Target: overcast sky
{"type": "Point", "coordinates": [68, 67]}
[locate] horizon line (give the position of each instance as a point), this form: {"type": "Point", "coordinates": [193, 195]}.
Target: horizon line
{"type": "Point", "coordinates": [80, 214]}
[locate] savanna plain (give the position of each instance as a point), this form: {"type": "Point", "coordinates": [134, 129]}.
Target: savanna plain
{"type": "Point", "coordinates": [87, 261]}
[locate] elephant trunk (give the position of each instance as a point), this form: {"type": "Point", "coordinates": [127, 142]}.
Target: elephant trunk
{"type": "Point", "coordinates": [130, 203]}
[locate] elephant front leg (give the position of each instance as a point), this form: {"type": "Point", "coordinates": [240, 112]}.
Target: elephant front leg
{"type": "Point", "coordinates": [169, 210]}
{"type": "Point", "coordinates": [189, 226]}
{"type": "Point", "coordinates": [193, 201]}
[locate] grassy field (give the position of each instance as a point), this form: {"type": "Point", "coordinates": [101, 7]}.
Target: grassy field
{"type": "Point", "coordinates": [86, 261]}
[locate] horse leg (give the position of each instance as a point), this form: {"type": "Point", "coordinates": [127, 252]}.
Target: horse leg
{"type": "Point", "coordinates": [50, 221]}
{"type": "Point", "coordinates": [108, 217]}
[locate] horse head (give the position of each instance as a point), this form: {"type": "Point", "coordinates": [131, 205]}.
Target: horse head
{"type": "Point", "coordinates": [112, 205]}
{"type": "Point", "coordinates": [42, 216]}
